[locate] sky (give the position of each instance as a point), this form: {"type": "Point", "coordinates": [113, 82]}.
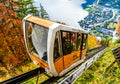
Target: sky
{"type": "Point", "coordinates": [67, 11]}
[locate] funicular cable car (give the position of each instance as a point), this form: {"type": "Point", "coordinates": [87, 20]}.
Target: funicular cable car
{"type": "Point", "coordinates": [55, 47]}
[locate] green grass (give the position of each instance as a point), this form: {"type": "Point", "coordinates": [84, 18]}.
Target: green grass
{"type": "Point", "coordinates": [97, 74]}
{"type": "Point", "coordinates": [33, 80]}
{"type": "Point", "coordinates": [5, 74]}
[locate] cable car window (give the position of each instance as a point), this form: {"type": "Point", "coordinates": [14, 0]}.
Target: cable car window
{"type": "Point", "coordinates": [37, 40]}
{"type": "Point", "coordinates": [84, 41]}
{"type": "Point", "coordinates": [30, 46]}
{"type": "Point", "coordinates": [70, 42]}
{"type": "Point", "coordinates": [57, 46]}
{"type": "Point", "coordinates": [78, 42]}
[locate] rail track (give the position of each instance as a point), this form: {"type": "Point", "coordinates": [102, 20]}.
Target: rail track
{"type": "Point", "coordinates": [91, 56]}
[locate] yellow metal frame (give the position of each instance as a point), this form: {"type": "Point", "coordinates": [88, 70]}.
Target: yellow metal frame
{"type": "Point", "coordinates": [42, 22]}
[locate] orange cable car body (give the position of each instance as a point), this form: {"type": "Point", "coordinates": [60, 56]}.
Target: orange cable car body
{"type": "Point", "coordinates": [55, 47]}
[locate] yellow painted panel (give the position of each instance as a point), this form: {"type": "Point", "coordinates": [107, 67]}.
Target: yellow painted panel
{"type": "Point", "coordinates": [67, 60]}
{"type": "Point", "coordinates": [59, 65]}
{"type": "Point", "coordinates": [42, 22]}
{"type": "Point", "coordinates": [71, 58]}
{"type": "Point", "coordinates": [83, 53]}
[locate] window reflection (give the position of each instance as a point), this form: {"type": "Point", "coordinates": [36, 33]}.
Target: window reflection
{"type": "Point", "coordinates": [68, 42]}
{"type": "Point", "coordinates": [56, 46]}
{"type": "Point", "coordinates": [71, 42]}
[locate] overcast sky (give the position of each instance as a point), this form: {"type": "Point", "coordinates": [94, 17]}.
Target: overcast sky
{"type": "Point", "coordinates": [68, 11]}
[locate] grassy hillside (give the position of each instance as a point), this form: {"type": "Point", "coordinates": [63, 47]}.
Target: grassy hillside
{"type": "Point", "coordinates": [9, 73]}
{"type": "Point", "coordinates": [97, 74]}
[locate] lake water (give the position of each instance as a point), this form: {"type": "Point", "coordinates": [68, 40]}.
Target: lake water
{"type": "Point", "coordinates": [88, 2]}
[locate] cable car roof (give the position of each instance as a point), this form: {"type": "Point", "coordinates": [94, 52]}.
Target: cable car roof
{"type": "Point", "coordinates": [48, 23]}
{"type": "Point", "coordinates": [42, 22]}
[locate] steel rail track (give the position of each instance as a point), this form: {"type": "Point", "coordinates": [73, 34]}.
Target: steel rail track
{"type": "Point", "coordinates": [23, 77]}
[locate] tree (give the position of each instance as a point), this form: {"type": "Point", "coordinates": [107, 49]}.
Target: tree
{"type": "Point", "coordinates": [43, 13]}
{"type": "Point", "coordinates": [12, 48]}
{"type": "Point", "coordinates": [26, 7]}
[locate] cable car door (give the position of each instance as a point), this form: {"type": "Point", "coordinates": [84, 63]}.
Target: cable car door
{"type": "Point", "coordinates": [68, 49]}
{"type": "Point", "coordinates": [58, 54]}
{"type": "Point", "coordinates": [71, 47]}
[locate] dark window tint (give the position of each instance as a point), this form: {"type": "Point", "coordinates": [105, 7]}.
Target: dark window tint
{"type": "Point", "coordinates": [71, 42]}
{"type": "Point", "coordinates": [57, 46]}
{"type": "Point", "coordinates": [84, 42]}
{"type": "Point", "coordinates": [78, 42]}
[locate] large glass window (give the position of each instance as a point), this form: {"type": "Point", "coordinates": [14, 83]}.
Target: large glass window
{"type": "Point", "coordinates": [28, 32]}
{"type": "Point", "coordinates": [78, 42]}
{"type": "Point", "coordinates": [68, 42]}
{"type": "Point", "coordinates": [57, 46]}
{"type": "Point", "coordinates": [71, 42]}
{"type": "Point", "coordinates": [36, 37]}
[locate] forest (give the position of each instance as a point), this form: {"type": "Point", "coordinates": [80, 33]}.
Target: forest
{"type": "Point", "coordinates": [14, 59]}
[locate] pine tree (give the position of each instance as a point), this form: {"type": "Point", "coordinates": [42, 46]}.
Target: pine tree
{"type": "Point", "coordinates": [33, 10]}
{"type": "Point", "coordinates": [26, 7]}
{"type": "Point", "coordinates": [43, 13]}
